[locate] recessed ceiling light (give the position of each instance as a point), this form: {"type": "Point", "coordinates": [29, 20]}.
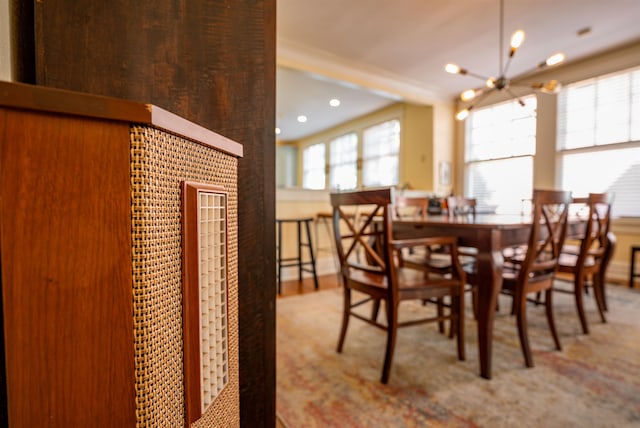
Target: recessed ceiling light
{"type": "Point", "coordinates": [334, 102]}
{"type": "Point", "coordinates": [277, 131]}
{"type": "Point", "coordinates": [302, 118]}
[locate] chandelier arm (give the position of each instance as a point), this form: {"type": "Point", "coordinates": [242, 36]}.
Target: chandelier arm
{"type": "Point", "coordinates": [477, 76]}
{"type": "Point", "coordinates": [480, 97]}
{"type": "Point", "coordinates": [516, 97]}
{"type": "Point", "coordinates": [506, 67]}
{"type": "Point", "coordinates": [501, 35]}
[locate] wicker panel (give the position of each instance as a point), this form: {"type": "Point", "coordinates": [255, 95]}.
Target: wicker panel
{"type": "Point", "coordinates": [159, 163]}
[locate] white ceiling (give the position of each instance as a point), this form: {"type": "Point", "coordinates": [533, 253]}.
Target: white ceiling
{"type": "Point", "coordinates": [344, 48]}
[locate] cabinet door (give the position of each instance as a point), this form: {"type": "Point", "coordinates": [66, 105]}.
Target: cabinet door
{"type": "Point", "coordinates": [66, 270]}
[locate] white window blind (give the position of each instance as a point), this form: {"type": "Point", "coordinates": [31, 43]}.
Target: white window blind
{"type": "Point", "coordinates": [599, 139]}
{"type": "Point", "coordinates": [343, 166]}
{"type": "Point", "coordinates": [380, 154]}
{"type": "Point", "coordinates": [313, 167]}
{"type": "Point", "coordinates": [499, 153]}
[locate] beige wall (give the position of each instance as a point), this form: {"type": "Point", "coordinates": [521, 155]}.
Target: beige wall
{"type": "Point", "coordinates": [416, 149]}
{"type": "Point", "coordinates": [5, 50]}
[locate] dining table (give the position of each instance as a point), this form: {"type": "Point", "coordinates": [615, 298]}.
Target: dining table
{"type": "Point", "coordinates": [489, 234]}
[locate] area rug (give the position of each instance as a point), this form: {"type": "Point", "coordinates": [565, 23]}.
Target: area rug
{"type": "Point", "coordinates": [593, 382]}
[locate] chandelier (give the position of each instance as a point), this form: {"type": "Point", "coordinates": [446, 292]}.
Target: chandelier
{"type": "Point", "coordinates": [502, 83]}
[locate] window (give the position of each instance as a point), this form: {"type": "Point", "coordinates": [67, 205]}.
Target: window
{"type": "Point", "coordinates": [599, 139]}
{"type": "Point", "coordinates": [313, 167]}
{"type": "Point", "coordinates": [380, 151]}
{"type": "Point", "coordinates": [343, 166]}
{"type": "Point", "coordinates": [499, 149]}
{"type": "Point", "coordinates": [367, 155]}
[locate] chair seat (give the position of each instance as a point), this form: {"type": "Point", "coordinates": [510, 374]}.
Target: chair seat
{"type": "Point", "coordinates": [412, 283]}
{"type": "Point", "coordinates": [436, 261]}
{"type": "Point", "coordinates": [567, 262]}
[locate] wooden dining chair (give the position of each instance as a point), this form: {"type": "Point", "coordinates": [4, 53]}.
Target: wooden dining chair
{"type": "Point", "coordinates": [377, 277]}
{"type": "Point", "coordinates": [410, 207]}
{"type": "Point", "coordinates": [436, 259]}
{"type": "Point", "coordinates": [586, 264]}
{"type": "Point", "coordinates": [535, 271]}
{"type": "Point", "coordinates": [461, 206]}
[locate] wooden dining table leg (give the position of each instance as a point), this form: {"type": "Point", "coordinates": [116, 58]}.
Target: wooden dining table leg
{"type": "Point", "coordinates": [489, 268]}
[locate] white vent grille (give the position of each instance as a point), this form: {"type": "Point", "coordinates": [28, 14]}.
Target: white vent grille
{"type": "Point", "coordinates": [214, 357]}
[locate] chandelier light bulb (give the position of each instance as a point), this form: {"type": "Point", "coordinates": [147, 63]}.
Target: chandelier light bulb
{"type": "Point", "coordinates": [516, 39]}
{"type": "Point", "coordinates": [462, 114]}
{"type": "Point", "coordinates": [467, 95]}
{"type": "Point", "coordinates": [555, 59]}
{"type": "Point", "coordinates": [491, 82]}
{"type": "Point", "coordinates": [452, 68]}
{"type": "Point", "coordinates": [550, 87]}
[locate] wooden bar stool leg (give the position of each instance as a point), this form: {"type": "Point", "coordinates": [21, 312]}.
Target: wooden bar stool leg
{"type": "Point", "coordinates": [633, 274]}
{"type": "Point", "coordinates": [310, 247]}
{"type": "Point", "coordinates": [279, 256]}
{"type": "Point", "coordinates": [299, 259]}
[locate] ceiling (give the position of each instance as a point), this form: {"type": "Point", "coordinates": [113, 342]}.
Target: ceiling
{"type": "Point", "coordinates": [370, 53]}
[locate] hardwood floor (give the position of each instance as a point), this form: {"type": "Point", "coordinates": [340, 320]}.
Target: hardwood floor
{"type": "Point", "coordinates": [295, 287]}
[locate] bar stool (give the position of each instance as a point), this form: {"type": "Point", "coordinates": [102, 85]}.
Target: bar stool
{"type": "Point", "coordinates": [633, 273]}
{"type": "Point", "coordinates": [298, 260]}
{"type": "Point", "coordinates": [325, 220]}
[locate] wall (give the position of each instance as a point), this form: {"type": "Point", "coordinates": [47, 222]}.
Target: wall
{"type": "Point", "coordinates": [416, 148]}
{"type": "Point", "coordinates": [5, 50]}
{"type": "Point", "coordinates": [287, 166]}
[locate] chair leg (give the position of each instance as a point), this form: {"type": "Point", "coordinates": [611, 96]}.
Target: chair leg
{"type": "Point", "coordinates": [548, 300]}
{"type": "Point", "coordinates": [474, 303]}
{"type": "Point", "coordinates": [440, 306]}
{"type": "Point", "coordinates": [578, 292]}
{"type": "Point", "coordinates": [392, 327]}
{"type": "Point", "coordinates": [458, 303]}
{"type": "Point", "coordinates": [598, 292]}
{"type": "Point", "coordinates": [346, 311]}
{"type": "Point", "coordinates": [520, 300]}
{"type": "Point", "coordinates": [375, 309]}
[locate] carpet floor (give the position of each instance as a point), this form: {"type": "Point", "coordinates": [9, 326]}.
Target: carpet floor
{"type": "Point", "coordinates": [593, 382]}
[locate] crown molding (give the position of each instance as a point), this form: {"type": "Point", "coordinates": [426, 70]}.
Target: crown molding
{"type": "Point", "coordinates": [300, 57]}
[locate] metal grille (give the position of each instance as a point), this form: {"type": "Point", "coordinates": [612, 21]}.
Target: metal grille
{"type": "Point", "coordinates": [214, 369]}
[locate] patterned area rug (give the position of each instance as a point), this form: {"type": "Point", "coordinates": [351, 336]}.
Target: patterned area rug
{"type": "Point", "coordinates": [593, 382]}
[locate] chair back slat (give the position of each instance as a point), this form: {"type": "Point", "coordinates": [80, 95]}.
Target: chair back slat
{"type": "Point", "coordinates": [361, 239]}
{"type": "Point", "coordinates": [548, 232]}
{"type": "Point", "coordinates": [411, 207]}
{"type": "Point", "coordinates": [461, 206]}
{"type": "Point", "coordinates": [595, 239]}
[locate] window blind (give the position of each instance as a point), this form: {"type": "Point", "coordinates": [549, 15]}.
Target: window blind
{"type": "Point", "coordinates": [499, 153]}
{"type": "Point", "coordinates": [380, 154]}
{"type": "Point", "coordinates": [313, 167]}
{"type": "Point", "coordinates": [343, 154]}
{"type": "Point", "coordinates": [598, 140]}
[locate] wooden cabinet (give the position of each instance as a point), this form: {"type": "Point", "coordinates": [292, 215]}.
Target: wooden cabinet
{"type": "Point", "coordinates": [90, 247]}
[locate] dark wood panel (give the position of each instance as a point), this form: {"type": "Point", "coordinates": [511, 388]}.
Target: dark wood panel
{"type": "Point", "coordinates": [66, 271]}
